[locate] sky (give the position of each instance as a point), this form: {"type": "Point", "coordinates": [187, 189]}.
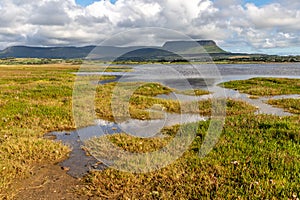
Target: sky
{"type": "Point", "coordinates": [256, 2]}
{"type": "Point", "coordinates": [250, 26]}
{"type": "Point", "coordinates": [89, 2]}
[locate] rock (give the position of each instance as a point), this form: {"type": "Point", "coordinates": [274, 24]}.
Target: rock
{"type": "Point", "coordinates": [67, 133]}
{"type": "Point", "coordinates": [65, 168]}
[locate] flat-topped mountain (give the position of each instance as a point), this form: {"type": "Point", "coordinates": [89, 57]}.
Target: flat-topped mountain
{"type": "Point", "coordinates": [191, 47]}
{"type": "Point", "coordinates": [169, 49]}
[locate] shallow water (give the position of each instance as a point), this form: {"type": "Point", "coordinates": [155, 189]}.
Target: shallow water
{"type": "Point", "coordinates": [80, 163]}
{"type": "Point", "coordinates": [180, 77]}
{"type": "Point", "coordinates": [202, 75]}
{"type": "Point", "coordinates": [260, 103]}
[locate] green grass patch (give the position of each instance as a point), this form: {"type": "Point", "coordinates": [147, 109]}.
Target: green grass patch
{"type": "Point", "coordinates": [289, 105]}
{"type": "Point", "coordinates": [265, 86]}
{"type": "Point", "coordinates": [195, 92]}
{"type": "Point", "coordinates": [132, 143]}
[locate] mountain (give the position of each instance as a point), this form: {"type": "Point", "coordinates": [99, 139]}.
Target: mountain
{"type": "Point", "coordinates": [191, 47]}
{"type": "Point", "coordinates": [169, 50]}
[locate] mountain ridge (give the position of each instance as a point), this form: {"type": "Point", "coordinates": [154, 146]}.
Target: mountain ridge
{"type": "Point", "coordinates": [169, 49]}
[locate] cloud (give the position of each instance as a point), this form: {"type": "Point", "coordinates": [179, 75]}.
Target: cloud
{"type": "Point", "coordinates": [233, 25]}
{"type": "Point", "coordinates": [273, 15]}
{"type": "Point", "coordinates": [49, 13]}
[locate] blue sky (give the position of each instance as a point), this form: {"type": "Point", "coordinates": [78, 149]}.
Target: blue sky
{"type": "Point", "coordinates": [256, 2]}
{"type": "Point", "coordinates": [88, 2]}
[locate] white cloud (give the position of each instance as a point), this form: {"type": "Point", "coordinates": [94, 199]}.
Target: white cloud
{"type": "Point", "coordinates": [273, 15]}
{"type": "Point", "coordinates": [235, 26]}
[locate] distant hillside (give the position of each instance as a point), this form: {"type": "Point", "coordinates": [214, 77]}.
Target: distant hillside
{"type": "Point", "coordinates": [46, 52]}
{"type": "Point", "coordinates": [168, 50]}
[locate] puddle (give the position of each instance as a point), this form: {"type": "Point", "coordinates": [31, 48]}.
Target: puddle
{"type": "Point", "coordinates": [80, 163]}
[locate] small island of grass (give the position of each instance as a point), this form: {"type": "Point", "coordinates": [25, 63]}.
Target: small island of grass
{"type": "Point", "coordinates": [265, 86]}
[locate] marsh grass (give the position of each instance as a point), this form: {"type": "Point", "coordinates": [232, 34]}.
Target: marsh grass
{"type": "Point", "coordinates": [265, 86]}
{"type": "Point", "coordinates": [195, 92]}
{"type": "Point", "coordinates": [289, 105]}
{"type": "Point", "coordinates": [34, 100]}
{"type": "Point", "coordinates": [138, 145]}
